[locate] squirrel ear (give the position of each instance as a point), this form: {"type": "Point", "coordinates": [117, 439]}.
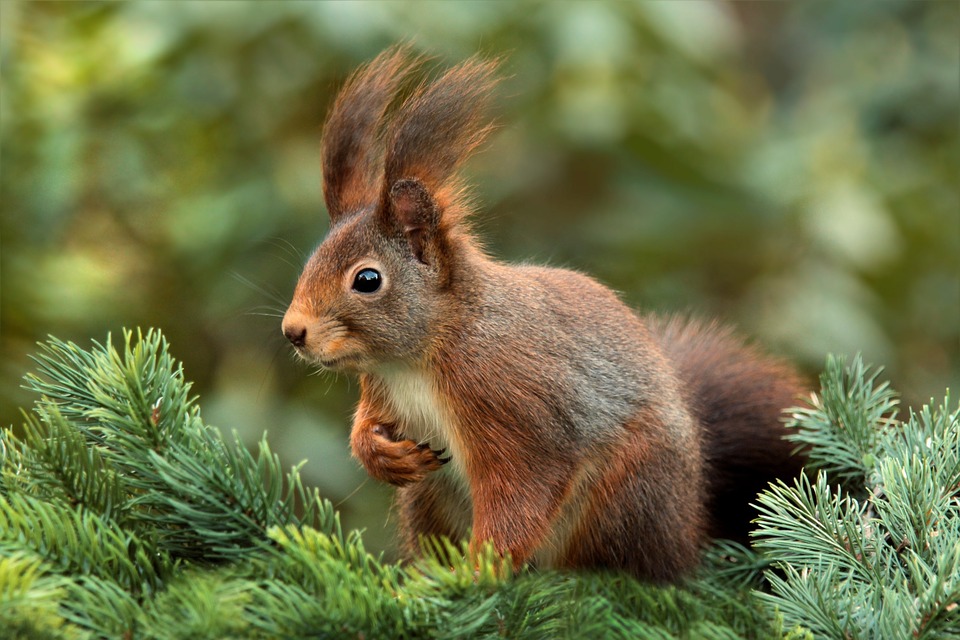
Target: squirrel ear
{"type": "Point", "coordinates": [416, 213]}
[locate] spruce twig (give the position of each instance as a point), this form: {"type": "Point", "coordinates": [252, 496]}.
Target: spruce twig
{"type": "Point", "coordinates": [887, 566]}
{"type": "Point", "coordinates": [122, 514]}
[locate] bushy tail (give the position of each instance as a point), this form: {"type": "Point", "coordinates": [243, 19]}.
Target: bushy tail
{"type": "Point", "coordinates": [737, 394]}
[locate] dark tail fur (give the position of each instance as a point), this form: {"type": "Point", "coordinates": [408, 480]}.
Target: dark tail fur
{"type": "Point", "coordinates": [737, 394]}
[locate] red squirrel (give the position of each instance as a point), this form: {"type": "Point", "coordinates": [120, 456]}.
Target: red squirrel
{"type": "Point", "coordinates": [522, 405]}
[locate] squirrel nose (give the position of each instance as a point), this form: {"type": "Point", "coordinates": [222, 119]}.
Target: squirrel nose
{"type": "Point", "coordinates": [296, 334]}
{"type": "Point", "coordinates": [294, 328]}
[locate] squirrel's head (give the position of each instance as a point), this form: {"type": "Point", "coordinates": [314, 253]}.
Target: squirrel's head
{"type": "Point", "coordinates": [375, 288]}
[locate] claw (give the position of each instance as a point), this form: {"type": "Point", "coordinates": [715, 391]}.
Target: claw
{"type": "Point", "coordinates": [423, 446]}
{"type": "Point", "coordinates": [445, 460]}
{"type": "Point", "coordinates": [439, 452]}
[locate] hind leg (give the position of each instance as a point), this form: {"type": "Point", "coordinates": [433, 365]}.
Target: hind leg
{"type": "Point", "coordinates": [438, 505]}
{"type": "Point", "coordinates": [645, 514]}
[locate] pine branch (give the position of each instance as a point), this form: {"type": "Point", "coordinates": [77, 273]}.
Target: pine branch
{"type": "Point", "coordinates": [30, 599]}
{"type": "Point", "coordinates": [102, 607]}
{"type": "Point", "coordinates": [843, 425]}
{"type": "Point", "coordinates": [61, 467]}
{"type": "Point", "coordinates": [123, 515]}
{"type": "Point", "coordinates": [203, 499]}
{"type": "Point", "coordinates": [884, 567]}
{"type": "Point", "coordinates": [79, 542]}
{"type": "Point", "coordinates": [199, 605]}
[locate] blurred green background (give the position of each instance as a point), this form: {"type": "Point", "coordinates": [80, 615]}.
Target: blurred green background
{"type": "Point", "coordinates": [788, 167]}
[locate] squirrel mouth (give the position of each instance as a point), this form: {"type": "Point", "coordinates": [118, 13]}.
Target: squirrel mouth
{"type": "Point", "coordinates": [326, 363]}
{"type": "Point", "coordinates": [334, 364]}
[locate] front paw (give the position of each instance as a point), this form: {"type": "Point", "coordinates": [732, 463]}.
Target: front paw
{"type": "Point", "coordinates": [399, 463]}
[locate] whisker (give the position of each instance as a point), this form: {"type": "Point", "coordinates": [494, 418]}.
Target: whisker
{"type": "Point", "coordinates": [287, 262]}
{"type": "Point", "coordinates": [273, 295]}
{"type": "Point", "coordinates": [268, 369]}
{"type": "Point", "coordinates": [265, 310]}
{"type": "Point", "coordinates": [331, 381]}
{"type": "Point", "coordinates": [288, 246]}
{"type": "Point", "coordinates": [267, 307]}
{"type": "Point", "coordinates": [353, 493]}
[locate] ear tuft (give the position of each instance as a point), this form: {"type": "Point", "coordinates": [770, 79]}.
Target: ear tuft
{"type": "Point", "coordinates": [416, 213]}
{"type": "Point", "coordinates": [351, 147]}
{"type": "Point", "coordinates": [436, 129]}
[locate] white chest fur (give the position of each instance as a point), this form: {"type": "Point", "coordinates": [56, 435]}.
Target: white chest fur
{"type": "Point", "coordinates": [422, 415]}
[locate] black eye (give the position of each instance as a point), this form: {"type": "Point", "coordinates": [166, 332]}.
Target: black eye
{"type": "Point", "coordinates": [367, 281]}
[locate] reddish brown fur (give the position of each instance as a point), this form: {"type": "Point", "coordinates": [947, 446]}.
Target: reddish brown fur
{"type": "Point", "coordinates": [743, 454]}
{"type": "Point", "coordinates": [617, 529]}
{"type": "Point", "coordinates": [431, 508]}
{"type": "Point", "coordinates": [581, 434]}
{"type": "Point", "coordinates": [373, 440]}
